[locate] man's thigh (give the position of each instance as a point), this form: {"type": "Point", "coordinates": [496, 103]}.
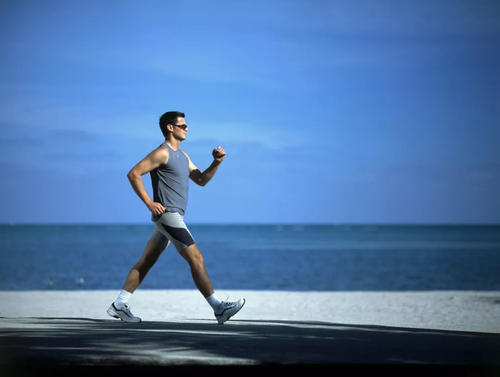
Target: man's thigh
{"type": "Point", "coordinates": [158, 240]}
{"type": "Point", "coordinates": [172, 226]}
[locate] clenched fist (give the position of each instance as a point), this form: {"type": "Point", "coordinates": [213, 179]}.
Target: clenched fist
{"type": "Point", "coordinates": [218, 154]}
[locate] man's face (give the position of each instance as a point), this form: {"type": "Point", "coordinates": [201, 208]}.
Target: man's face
{"type": "Point", "coordinates": [180, 129]}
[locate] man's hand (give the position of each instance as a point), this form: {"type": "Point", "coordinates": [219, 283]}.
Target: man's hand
{"type": "Point", "coordinates": [156, 208]}
{"type": "Point", "coordinates": [218, 154]}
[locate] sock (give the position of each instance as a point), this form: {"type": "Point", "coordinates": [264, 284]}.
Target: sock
{"type": "Point", "coordinates": [122, 299]}
{"type": "Point", "coordinates": [213, 301]}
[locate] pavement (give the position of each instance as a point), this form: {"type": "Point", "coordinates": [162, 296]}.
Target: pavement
{"type": "Point", "coordinates": [85, 341]}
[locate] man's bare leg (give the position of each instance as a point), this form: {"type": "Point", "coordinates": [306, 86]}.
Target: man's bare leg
{"type": "Point", "coordinates": [223, 310]}
{"type": "Point", "coordinates": [119, 308]}
{"type": "Point", "coordinates": [141, 268]}
{"type": "Point", "coordinates": [200, 276]}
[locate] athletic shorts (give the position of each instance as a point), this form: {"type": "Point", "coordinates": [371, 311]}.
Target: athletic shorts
{"type": "Point", "coordinates": [170, 227]}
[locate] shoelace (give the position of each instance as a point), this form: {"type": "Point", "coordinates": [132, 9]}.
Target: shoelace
{"type": "Point", "coordinates": [226, 304]}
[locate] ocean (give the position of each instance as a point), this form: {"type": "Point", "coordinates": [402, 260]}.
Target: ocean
{"type": "Point", "coordinates": [260, 257]}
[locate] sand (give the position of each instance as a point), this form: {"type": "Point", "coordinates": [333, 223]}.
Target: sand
{"type": "Point", "coordinates": [444, 310]}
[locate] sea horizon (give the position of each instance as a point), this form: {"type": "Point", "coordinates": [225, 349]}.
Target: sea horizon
{"type": "Point", "coordinates": [258, 223]}
{"type": "Point", "coordinates": [293, 256]}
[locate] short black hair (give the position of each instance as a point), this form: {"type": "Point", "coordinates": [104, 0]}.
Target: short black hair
{"type": "Point", "coordinates": [170, 117]}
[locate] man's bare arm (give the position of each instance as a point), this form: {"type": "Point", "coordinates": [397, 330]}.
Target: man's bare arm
{"type": "Point", "coordinates": [202, 178]}
{"type": "Point", "coordinates": [150, 162]}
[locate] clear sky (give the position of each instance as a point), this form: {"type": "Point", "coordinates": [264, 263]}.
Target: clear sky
{"type": "Point", "coordinates": [329, 111]}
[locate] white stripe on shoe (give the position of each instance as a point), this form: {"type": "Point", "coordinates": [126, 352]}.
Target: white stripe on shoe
{"type": "Point", "coordinates": [228, 310]}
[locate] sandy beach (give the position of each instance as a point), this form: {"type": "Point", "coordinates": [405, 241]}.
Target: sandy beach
{"type": "Point", "coordinates": [439, 310]}
{"type": "Point", "coordinates": [274, 327]}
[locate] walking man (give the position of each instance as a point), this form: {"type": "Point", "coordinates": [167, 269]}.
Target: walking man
{"type": "Point", "coordinates": [170, 169]}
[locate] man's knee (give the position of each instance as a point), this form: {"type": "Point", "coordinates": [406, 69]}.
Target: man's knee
{"type": "Point", "coordinates": [193, 255]}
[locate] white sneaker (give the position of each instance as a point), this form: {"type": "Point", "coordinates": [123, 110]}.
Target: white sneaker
{"type": "Point", "coordinates": [123, 313]}
{"type": "Point", "coordinates": [228, 309]}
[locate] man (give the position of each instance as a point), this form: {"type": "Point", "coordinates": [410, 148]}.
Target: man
{"type": "Point", "coordinates": [170, 169]}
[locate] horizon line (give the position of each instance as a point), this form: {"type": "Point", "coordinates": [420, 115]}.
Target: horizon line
{"type": "Point", "coordinates": [12, 223]}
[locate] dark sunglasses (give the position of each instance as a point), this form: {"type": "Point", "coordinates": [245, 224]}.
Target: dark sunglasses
{"type": "Point", "coordinates": [183, 126]}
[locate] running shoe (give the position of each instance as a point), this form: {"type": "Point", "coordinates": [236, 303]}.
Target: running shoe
{"type": "Point", "coordinates": [122, 313]}
{"type": "Point", "coordinates": [228, 309]}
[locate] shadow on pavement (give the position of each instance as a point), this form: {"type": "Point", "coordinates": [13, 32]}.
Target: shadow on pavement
{"type": "Point", "coordinates": [84, 342]}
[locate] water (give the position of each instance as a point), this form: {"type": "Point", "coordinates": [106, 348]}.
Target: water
{"type": "Point", "coordinates": [282, 257]}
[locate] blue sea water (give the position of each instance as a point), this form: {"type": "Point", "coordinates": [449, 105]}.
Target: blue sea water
{"type": "Point", "coordinates": [262, 257]}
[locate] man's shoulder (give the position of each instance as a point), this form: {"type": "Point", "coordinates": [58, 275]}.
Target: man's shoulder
{"type": "Point", "coordinates": [161, 152]}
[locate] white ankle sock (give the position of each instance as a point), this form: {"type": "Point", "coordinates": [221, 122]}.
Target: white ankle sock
{"type": "Point", "coordinates": [122, 298]}
{"type": "Point", "coordinates": [213, 301]}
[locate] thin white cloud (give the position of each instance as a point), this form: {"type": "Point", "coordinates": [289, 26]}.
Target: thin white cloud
{"type": "Point", "coordinates": [354, 18]}
{"type": "Point", "coordinates": [270, 135]}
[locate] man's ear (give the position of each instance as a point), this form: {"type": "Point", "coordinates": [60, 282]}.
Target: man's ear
{"type": "Point", "coordinates": [170, 127]}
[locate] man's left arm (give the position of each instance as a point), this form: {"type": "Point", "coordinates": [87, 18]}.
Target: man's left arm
{"type": "Point", "coordinates": [202, 178]}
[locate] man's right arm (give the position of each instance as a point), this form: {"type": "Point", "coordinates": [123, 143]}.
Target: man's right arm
{"type": "Point", "coordinates": [152, 161]}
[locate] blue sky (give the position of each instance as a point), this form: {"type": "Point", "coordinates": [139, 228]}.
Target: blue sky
{"type": "Point", "coordinates": [330, 111]}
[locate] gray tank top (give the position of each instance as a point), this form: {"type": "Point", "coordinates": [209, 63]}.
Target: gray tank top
{"type": "Point", "coordinates": [170, 182]}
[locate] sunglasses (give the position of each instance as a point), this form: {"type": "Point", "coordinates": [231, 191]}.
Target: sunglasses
{"type": "Point", "coordinates": [183, 126]}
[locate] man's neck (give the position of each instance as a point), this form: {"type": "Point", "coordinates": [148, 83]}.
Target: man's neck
{"type": "Point", "coordinates": [173, 143]}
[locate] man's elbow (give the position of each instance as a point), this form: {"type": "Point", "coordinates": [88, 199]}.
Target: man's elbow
{"type": "Point", "coordinates": [131, 175]}
{"type": "Point", "coordinates": [198, 178]}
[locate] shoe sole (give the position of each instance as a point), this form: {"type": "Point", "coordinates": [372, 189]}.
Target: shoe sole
{"type": "Point", "coordinates": [111, 312]}
{"type": "Point", "coordinates": [221, 320]}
